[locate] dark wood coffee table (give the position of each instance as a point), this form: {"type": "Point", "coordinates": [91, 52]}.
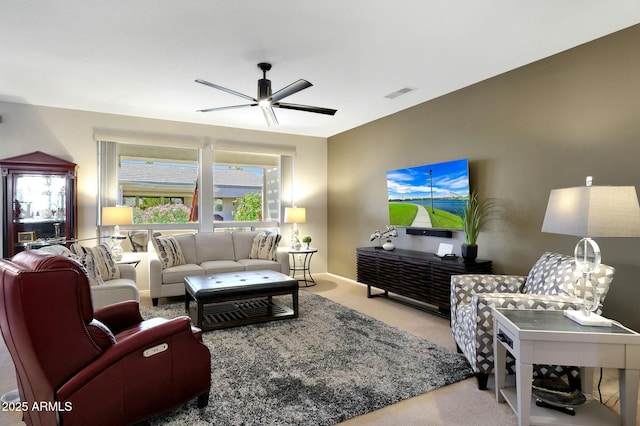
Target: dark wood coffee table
{"type": "Point", "coordinates": [238, 298]}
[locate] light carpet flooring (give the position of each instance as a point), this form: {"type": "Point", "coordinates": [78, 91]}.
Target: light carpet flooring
{"type": "Point", "coordinates": [458, 404]}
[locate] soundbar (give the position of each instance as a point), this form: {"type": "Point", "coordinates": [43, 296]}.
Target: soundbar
{"type": "Point", "coordinates": [429, 232]}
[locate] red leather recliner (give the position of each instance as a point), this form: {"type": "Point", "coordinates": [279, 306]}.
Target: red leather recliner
{"type": "Point", "coordinates": [81, 367]}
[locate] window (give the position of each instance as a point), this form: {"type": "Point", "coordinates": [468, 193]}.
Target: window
{"type": "Point", "coordinates": [160, 183]}
{"type": "Point", "coordinates": [247, 191]}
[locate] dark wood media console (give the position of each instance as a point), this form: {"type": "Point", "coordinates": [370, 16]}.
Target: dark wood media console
{"type": "Point", "coordinates": [413, 274]}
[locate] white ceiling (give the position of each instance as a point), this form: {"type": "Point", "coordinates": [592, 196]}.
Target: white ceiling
{"type": "Point", "coordinates": [141, 57]}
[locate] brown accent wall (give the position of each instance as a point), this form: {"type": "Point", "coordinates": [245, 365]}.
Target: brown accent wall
{"type": "Point", "coordinates": [542, 126]}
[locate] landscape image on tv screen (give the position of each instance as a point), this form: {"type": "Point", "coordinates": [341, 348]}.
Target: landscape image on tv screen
{"type": "Point", "coordinates": [429, 196]}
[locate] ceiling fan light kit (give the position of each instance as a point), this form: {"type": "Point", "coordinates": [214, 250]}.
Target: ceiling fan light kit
{"type": "Point", "coordinates": [267, 100]}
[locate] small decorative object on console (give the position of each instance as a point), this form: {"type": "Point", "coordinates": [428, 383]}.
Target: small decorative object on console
{"type": "Point", "coordinates": [391, 231]}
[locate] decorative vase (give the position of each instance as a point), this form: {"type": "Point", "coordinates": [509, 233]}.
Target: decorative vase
{"type": "Point", "coordinates": [388, 246]}
{"type": "Point", "coordinates": [306, 246]}
{"type": "Point", "coordinates": [469, 252]}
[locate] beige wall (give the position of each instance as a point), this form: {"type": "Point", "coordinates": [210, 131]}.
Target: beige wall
{"type": "Point", "coordinates": [543, 126]}
{"type": "Point", "coordinates": [69, 134]}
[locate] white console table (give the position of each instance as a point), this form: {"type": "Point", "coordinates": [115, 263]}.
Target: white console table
{"type": "Point", "coordinates": [548, 337]}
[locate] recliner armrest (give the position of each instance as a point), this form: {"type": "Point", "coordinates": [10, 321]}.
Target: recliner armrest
{"type": "Point", "coordinates": [173, 332]}
{"type": "Point", "coordinates": [119, 315]}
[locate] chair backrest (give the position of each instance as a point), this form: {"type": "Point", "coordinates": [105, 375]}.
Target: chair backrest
{"type": "Point", "coordinates": [550, 274]}
{"type": "Point", "coordinates": [556, 273]}
{"type": "Point", "coordinates": [46, 317]}
{"type": "Point", "coordinates": [140, 239]}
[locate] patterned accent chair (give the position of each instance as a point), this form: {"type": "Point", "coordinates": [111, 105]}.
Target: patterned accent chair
{"type": "Point", "coordinates": [550, 285]}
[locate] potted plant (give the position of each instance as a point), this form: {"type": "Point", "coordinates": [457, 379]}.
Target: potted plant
{"type": "Point", "coordinates": [476, 215]}
{"type": "Point", "coordinates": [306, 240]}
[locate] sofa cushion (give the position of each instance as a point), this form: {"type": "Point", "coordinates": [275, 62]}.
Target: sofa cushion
{"type": "Point", "coordinates": [265, 246]}
{"type": "Point", "coordinates": [102, 259]}
{"type": "Point", "coordinates": [176, 274]}
{"type": "Point", "coordinates": [552, 274]}
{"type": "Point", "coordinates": [217, 266]}
{"type": "Point", "coordinates": [214, 246]}
{"type": "Point", "coordinates": [169, 251]}
{"type": "Point", "coordinates": [259, 264]}
{"type": "Point", "coordinates": [242, 242]}
{"type": "Point", "coordinates": [188, 246]}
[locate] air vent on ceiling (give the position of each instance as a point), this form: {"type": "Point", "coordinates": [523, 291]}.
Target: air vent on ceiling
{"type": "Point", "coordinates": [400, 92]}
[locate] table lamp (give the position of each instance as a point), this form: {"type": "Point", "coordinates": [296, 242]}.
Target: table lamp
{"type": "Point", "coordinates": [590, 212]}
{"type": "Point", "coordinates": [116, 216]}
{"type": "Point", "coordinates": [295, 215]}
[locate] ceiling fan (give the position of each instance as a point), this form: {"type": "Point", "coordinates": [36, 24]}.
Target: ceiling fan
{"type": "Point", "coordinates": [267, 100]}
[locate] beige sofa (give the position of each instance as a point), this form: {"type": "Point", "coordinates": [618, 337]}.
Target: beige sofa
{"type": "Point", "coordinates": [106, 291]}
{"type": "Point", "coordinates": [207, 253]}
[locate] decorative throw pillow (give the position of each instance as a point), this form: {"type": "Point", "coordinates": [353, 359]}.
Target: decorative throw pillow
{"type": "Point", "coordinates": [89, 265]}
{"type": "Point", "coordinates": [102, 259]}
{"type": "Point", "coordinates": [265, 246]}
{"type": "Point", "coordinates": [169, 251]}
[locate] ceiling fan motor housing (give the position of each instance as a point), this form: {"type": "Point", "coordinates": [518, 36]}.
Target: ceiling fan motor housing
{"type": "Point", "coordinates": [264, 89]}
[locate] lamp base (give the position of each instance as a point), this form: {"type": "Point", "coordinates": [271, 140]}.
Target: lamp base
{"type": "Point", "coordinates": [592, 319]}
{"type": "Point", "coordinates": [116, 249]}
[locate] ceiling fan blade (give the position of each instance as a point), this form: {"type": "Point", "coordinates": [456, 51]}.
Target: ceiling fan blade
{"type": "Point", "coordinates": [224, 89]}
{"type": "Point", "coordinates": [290, 90]}
{"type": "Point", "coordinates": [307, 108]}
{"type": "Point", "coordinates": [269, 115]}
{"type": "Point", "coordinates": [226, 107]}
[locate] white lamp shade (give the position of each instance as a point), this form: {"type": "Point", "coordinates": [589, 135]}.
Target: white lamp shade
{"type": "Point", "coordinates": [120, 215]}
{"type": "Point", "coordinates": [593, 211]}
{"type": "Point", "coordinates": [295, 215]}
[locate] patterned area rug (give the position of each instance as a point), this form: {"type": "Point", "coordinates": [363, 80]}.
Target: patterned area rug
{"type": "Point", "coordinates": [330, 364]}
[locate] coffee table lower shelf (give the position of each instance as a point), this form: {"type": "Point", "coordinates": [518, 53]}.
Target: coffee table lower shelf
{"type": "Point", "coordinates": [231, 314]}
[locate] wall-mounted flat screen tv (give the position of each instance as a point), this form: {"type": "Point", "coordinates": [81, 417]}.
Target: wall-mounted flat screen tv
{"type": "Point", "coordinates": [429, 196]}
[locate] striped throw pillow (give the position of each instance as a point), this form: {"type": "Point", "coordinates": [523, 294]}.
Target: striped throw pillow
{"type": "Point", "coordinates": [265, 246]}
{"type": "Point", "coordinates": [169, 251]}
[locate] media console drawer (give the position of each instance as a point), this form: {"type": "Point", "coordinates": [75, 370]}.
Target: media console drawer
{"type": "Point", "coordinates": [417, 275]}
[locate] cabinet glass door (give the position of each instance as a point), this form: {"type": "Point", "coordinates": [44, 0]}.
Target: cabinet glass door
{"type": "Point", "coordinates": [39, 209]}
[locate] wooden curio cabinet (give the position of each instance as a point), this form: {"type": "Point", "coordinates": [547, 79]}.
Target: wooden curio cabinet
{"type": "Point", "coordinates": [39, 202]}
